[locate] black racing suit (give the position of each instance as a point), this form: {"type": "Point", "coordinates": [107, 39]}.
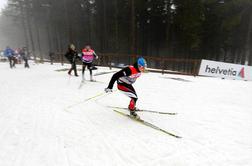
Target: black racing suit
{"type": "Point", "coordinates": [125, 81]}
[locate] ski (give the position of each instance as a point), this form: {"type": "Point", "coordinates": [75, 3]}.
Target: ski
{"type": "Point", "coordinates": [90, 98]}
{"type": "Point", "coordinates": [150, 111]}
{"type": "Point", "coordinates": [81, 84]}
{"type": "Point", "coordinates": [148, 124]}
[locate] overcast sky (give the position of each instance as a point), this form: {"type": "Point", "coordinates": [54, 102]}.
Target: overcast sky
{"type": "Point", "coordinates": [2, 3]}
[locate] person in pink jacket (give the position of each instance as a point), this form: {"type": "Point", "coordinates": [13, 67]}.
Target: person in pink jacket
{"type": "Point", "coordinates": [88, 56]}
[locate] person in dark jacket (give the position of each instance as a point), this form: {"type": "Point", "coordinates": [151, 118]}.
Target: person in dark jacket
{"type": "Point", "coordinates": [23, 54]}
{"type": "Point", "coordinates": [71, 56]}
{"type": "Point", "coordinates": [9, 53]}
{"type": "Point", "coordinates": [51, 55]}
{"type": "Point", "coordinates": [125, 78]}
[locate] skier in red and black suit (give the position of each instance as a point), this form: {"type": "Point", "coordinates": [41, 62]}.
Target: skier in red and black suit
{"type": "Point", "coordinates": [125, 78]}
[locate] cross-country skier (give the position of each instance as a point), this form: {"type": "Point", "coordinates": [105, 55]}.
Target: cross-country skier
{"type": "Point", "coordinates": [23, 54]}
{"type": "Point", "coordinates": [88, 56]}
{"type": "Point", "coordinates": [71, 56]}
{"type": "Point", "coordinates": [125, 78]}
{"type": "Point", "coordinates": [9, 53]}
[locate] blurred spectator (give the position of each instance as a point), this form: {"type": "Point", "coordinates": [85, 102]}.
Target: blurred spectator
{"type": "Point", "coordinates": [23, 54]}
{"type": "Point", "coordinates": [51, 55]}
{"type": "Point", "coordinates": [71, 56]}
{"type": "Point", "coordinates": [9, 53]}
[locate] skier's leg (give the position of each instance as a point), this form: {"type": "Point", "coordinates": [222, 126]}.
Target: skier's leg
{"type": "Point", "coordinates": [132, 108]}
{"type": "Point", "coordinates": [132, 104]}
{"type": "Point", "coordinates": [70, 70]}
{"type": "Point", "coordinates": [83, 71]}
{"type": "Point", "coordinates": [14, 62]}
{"type": "Point", "coordinates": [130, 92]}
{"type": "Point", "coordinates": [26, 63]}
{"type": "Point", "coordinates": [90, 71]}
{"type": "Point", "coordinates": [10, 61]}
{"type": "Point", "coordinates": [127, 89]}
{"type": "Point", "coordinates": [74, 68]}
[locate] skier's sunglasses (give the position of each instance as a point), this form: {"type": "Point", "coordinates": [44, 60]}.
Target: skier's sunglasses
{"type": "Point", "coordinates": [141, 68]}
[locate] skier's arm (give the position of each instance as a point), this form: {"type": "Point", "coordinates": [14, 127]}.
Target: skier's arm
{"type": "Point", "coordinates": [95, 55]}
{"type": "Point", "coordinates": [124, 72]}
{"type": "Point", "coordinates": [68, 56]}
{"type": "Point", "coordinates": [75, 56]}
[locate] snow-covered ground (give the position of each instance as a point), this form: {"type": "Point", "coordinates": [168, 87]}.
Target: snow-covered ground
{"type": "Point", "coordinates": [38, 128]}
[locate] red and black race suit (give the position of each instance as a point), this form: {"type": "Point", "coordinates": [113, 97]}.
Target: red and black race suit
{"type": "Point", "coordinates": [125, 78]}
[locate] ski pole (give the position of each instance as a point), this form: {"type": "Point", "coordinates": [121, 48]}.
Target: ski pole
{"type": "Point", "coordinates": [100, 94]}
{"type": "Point", "coordinates": [90, 98]}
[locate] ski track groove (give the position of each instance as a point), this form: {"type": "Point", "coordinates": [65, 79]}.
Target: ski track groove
{"type": "Point", "coordinates": [133, 137]}
{"type": "Point", "coordinates": [118, 152]}
{"type": "Point", "coordinates": [106, 144]}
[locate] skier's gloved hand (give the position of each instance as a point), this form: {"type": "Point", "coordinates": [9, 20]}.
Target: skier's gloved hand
{"type": "Point", "coordinates": [96, 57]}
{"type": "Point", "coordinates": [108, 90]}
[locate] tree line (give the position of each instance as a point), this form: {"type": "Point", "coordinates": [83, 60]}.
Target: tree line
{"type": "Point", "coordinates": [187, 29]}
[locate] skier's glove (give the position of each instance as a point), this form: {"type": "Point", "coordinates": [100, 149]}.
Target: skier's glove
{"type": "Point", "coordinates": [108, 90]}
{"type": "Point", "coordinates": [96, 57]}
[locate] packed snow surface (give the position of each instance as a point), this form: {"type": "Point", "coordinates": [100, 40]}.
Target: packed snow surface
{"type": "Point", "coordinates": [46, 120]}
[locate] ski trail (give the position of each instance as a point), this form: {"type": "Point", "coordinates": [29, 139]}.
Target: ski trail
{"type": "Point", "coordinates": [132, 136]}
{"type": "Point", "coordinates": [99, 133]}
{"type": "Point", "coordinates": [116, 150]}
{"type": "Point", "coordinates": [37, 130]}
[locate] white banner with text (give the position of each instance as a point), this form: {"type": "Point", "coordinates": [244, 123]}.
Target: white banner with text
{"type": "Point", "coordinates": [225, 70]}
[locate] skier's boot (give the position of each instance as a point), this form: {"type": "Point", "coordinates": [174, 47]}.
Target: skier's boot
{"type": "Point", "coordinates": [91, 78]}
{"type": "Point", "coordinates": [75, 74]}
{"type": "Point", "coordinates": [69, 72]}
{"type": "Point", "coordinates": [132, 110]}
{"type": "Point", "coordinates": [83, 78]}
{"type": "Point", "coordinates": [134, 115]}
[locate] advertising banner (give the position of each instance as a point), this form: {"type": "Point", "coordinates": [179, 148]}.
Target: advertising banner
{"type": "Point", "coordinates": [225, 70]}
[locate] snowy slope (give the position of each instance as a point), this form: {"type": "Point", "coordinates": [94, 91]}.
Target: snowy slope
{"type": "Point", "coordinates": [38, 128]}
